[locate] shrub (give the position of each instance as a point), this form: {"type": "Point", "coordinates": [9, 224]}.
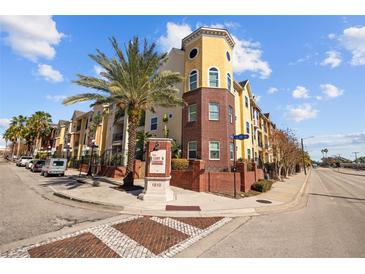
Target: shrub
{"type": "Point", "coordinates": [179, 164]}
{"type": "Point", "coordinates": [262, 185]}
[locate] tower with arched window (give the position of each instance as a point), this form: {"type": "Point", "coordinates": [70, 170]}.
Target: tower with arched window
{"type": "Point", "coordinates": [208, 119]}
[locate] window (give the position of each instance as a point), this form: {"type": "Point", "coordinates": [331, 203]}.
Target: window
{"type": "Point", "coordinates": [213, 150]}
{"type": "Point", "coordinates": [154, 123]}
{"type": "Point", "coordinates": [229, 81]}
{"type": "Point", "coordinates": [231, 151]}
{"type": "Point", "coordinates": [228, 56]}
{"type": "Point", "coordinates": [247, 127]}
{"type": "Point", "coordinates": [193, 53]}
{"type": "Point", "coordinates": [213, 111]}
{"type": "Point", "coordinates": [193, 80]}
{"type": "Point", "coordinates": [192, 148]}
{"type": "Point", "coordinates": [230, 114]}
{"type": "Point", "coordinates": [249, 154]}
{"type": "Point", "coordinates": [246, 101]}
{"type": "Point", "coordinates": [213, 77]}
{"type": "Point", "coordinates": [192, 113]}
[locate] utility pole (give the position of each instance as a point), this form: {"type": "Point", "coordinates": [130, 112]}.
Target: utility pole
{"type": "Point", "coordinates": [305, 170]}
{"type": "Point", "coordinates": [357, 166]}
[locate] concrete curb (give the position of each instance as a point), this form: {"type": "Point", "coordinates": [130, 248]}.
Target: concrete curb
{"type": "Point", "coordinates": [239, 212]}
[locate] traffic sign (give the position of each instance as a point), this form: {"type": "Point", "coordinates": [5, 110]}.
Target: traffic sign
{"type": "Point", "coordinates": [240, 137]}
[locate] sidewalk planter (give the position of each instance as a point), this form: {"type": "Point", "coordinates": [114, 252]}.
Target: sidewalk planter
{"type": "Point", "coordinates": [200, 180]}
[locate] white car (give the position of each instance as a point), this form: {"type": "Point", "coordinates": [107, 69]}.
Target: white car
{"type": "Point", "coordinates": [54, 166]}
{"type": "Point", "coordinates": [23, 160]}
{"type": "Point", "coordinates": [29, 164]}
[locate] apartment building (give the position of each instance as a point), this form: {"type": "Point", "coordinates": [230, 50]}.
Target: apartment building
{"type": "Point", "coordinates": [216, 107]}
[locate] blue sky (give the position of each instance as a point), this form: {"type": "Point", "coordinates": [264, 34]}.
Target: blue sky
{"type": "Point", "coordinates": [307, 71]}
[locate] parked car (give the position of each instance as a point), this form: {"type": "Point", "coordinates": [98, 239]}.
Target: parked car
{"type": "Point", "coordinates": [37, 166]}
{"type": "Point", "coordinates": [28, 165]}
{"type": "Point", "coordinates": [23, 160]}
{"type": "Point", "coordinates": [54, 166]}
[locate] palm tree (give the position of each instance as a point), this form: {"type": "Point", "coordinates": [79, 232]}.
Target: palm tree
{"type": "Point", "coordinates": [322, 151]}
{"type": "Point", "coordinates": [18, 124]}
{"type": "Point", "coordinates": [10, 135]}
{"type": "Point", "coordinates": [132, 82]}
{"type": "Point", "coordinates": [325, 151]}
{"type": "Point", "coordinates": [39, 126]}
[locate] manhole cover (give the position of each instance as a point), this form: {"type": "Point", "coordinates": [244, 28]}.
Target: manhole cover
{"type": "Point", "coordinates": [264, 201]}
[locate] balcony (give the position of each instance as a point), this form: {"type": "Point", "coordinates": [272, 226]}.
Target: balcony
{"type": "Point", "coordinates": [255, 123]}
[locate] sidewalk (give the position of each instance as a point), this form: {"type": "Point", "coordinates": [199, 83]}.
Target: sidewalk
{"type": "Point", "coordinates": [282, 195]}
{"type": "Point", "coordinates": [350, 171]}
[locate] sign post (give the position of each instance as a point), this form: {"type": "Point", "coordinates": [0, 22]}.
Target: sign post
{"type": "Point", "coordinates": [158, 171]}
{"type": "Point", "coordinates": [236, 137]}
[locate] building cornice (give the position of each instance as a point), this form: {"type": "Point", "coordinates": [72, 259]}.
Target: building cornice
{"type": "Point", "coordinates": [208, 31]}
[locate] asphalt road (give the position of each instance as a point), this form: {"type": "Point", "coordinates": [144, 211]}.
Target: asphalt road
{"type": "Point", "coordinates": [331, 224]}
{"type": "Point", "coordinates": [28, 208]}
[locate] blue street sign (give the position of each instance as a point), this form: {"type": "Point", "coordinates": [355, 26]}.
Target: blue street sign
{"type": "Point", "coordinates": [240, 137]}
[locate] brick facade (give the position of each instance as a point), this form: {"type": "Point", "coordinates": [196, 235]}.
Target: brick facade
{"type": "Point", "coordinates": [204, 130]}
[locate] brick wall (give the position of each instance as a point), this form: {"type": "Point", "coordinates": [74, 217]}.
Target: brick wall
{"type": "Point", "coordinates": [200, 180]}
{"type": "Point", "coordinates": [115, 171]}
{"type": "Point", "coordinates": [179, 178]}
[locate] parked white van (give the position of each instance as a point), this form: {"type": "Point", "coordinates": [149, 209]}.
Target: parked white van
{"type": "Point", "coordinates": [54, 166]}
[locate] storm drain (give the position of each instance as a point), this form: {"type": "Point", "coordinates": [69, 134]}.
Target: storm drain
{"type": "Point", "coordinates": [264, 201]}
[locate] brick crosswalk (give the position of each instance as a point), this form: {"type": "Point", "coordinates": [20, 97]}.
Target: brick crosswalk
{"type": "Point", "coordinates": [134, 237]}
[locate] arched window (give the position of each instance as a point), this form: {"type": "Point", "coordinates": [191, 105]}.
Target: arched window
{"type": "Point", "coordinates": [229, 81]}
{"type": "Point", "coordinates": [213, 77]}
{"type": "Point", "coordinates": [193, 80]}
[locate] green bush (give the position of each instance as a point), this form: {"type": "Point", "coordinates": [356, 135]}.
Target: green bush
{"type": "Point", "coordinates": [179, 164]}
{"type": "Point", "coordinates": [262, 185]}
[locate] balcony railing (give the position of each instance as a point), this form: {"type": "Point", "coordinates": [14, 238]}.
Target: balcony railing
{"type": "Point", "coordinates": [117, 137]}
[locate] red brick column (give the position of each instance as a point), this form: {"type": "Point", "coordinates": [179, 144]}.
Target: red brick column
{"type": "Point", "coordinates": [198, 179]}
{"type": "Point", "coordinates": [255, 170]}
{"type": "Point", "coordinates": [242, 168]}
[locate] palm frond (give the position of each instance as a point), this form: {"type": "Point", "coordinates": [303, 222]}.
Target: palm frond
{"type": "Point", "coordinates": [83, 97]}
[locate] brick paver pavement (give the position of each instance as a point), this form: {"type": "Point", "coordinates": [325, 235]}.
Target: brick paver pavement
{"type": "Point", "coordinates": [136, 236]}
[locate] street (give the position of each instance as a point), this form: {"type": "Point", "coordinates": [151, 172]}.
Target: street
{"type": "Point", "coordinates": [331, 225]}
{"type": "Point", "coordinates": [26, 210]}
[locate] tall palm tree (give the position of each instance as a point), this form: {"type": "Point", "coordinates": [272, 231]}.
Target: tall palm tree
{"type": "Point", "coordinates": [18, 124]}
{"type": "Point", "coordinates": [325, 151]}
{"type": "Point", "coordinates": [10, 135]}
{"type": "Point", "coordinates": [133, 82]}
{"type": "Point", "coordinates": [39, 125]}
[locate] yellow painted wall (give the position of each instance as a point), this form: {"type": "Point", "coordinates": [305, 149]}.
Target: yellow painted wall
{"type": "Point", "coordinates": [211, 53]}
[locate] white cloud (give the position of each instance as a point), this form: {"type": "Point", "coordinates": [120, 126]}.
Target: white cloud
{"type": "Point", "coordinates": [247, 54]}
{"type": "Point", "coordinates": [300, 92]}
{"type": "Point", "coordinates": [4, 122]}
{"type": "Point", "coordinates": [56, 98]}
{"type": "Point", "coordinates": [353, 39]}
{"type": "Point", "coordinates": [272, 90]}
{"type": "Point", "coordinates": [319, 98]}
{"type": "Point", "coordinates": [331, 36]}
{"type": "Point", "coordinates": [32, 37]}
{"type": "Point", "coordinates": [301, 113]}
{"type": "Point", "coordinates": [331, 91]}
{"type": "Point", "coordinates": [49, 73]}
{"type": "Point", "coordinates": [98, 69]}
{"type": "Point", "coordinates": [343, 144]}
{"type": "Point", "coordinates": [300, 60]}
{"type": "Point", "coordinates": [174, 34]}
{"type": "Point", "coordinates": [333, 59]}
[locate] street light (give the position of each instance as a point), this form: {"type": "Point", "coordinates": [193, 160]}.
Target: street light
{"type": "Point", "coordinates": [303, 155]}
